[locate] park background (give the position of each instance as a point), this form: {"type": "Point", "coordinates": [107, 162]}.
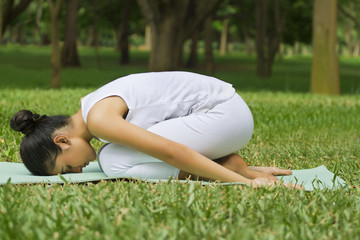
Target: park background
{"type": "Point", "coordinates": [296, 64]}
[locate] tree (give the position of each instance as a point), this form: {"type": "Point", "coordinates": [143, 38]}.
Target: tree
{"type": "Point", "coordinates": [90, 20]}
{"type": "Point", "coordinates": [226, 10]}
{"type": "Point", "coordinates": [11, 11]}
{"type": "Point", "coordinates": [242, 18]}
{"type": "Point", "coordinates": [224, 36]}
{"type": "Point", "coordinates": [349, 21]}
{"type": "Point", "coordinates": [43, 35]}
{"type": "Point", "coordinates": [325, 66]}
{"type": "Point", "coordinates": [0, 21]}
{"type": "Point", "coordinates": [298, 21]}
{"type": "Point", "coordinates": [69, 53]}
{"type": "Point", "coordinates": [147, 34]}
{"type": "Point", "coordinates": [349, 15]}
{"type": "Point", "coordinates": [55, 50]}
{"type": "Point", "coordinates": [124, 32]}
{"type": "Point", "coordinates": [173, 22]}
{"type": "Point", "coordinates": [192, 61]}
{"type": "Point", "coordinates": [269, 28]}
{"type": "Point", "coordinates": [123, 18]}
{"type": "Point", "coordinates": [209, 57]}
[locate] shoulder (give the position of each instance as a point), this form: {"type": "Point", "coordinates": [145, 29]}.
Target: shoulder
{"type": "Point", "coordinates": [112, 106]}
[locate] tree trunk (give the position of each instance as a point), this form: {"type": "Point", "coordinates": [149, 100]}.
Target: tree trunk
{"type": "Point", "coordinates": [44, 37]}
{"type": "Point", "coordinates": [193, 57]}
{"type": "Point", "coordinates": [209, 57]}
{"type": "Point", "coordinates": [124, 33]}
{"type": "Point", "coordinates": [325, 67]}
{"type": "Point", "coordinates": [39, 9]}
{"type": "Point", "coordinates": [356, 48]}
{"type": "Point", "coordinates": [223, 38]}
{"type": "Point", "coordinates": [305, 50]}
{"type": "Point", "coordinates": [90, 36]}
{"type": "Point", "coordinates": [349, 41]}
{"type": "Point", "coordinates": [281, 51]}
{"type": "Point", "coordinates": [296, 48]}
{"type": "Point", "coordinates": [1, 21]}
{"type": "Point", "coordinates": [147, 37]}
{"type": "Point", "coordinates": [17, 33]}
{"type": "Point", "coordinates": [269, 27]}
{"type": "Point", "coordinates": [172, 22]}
{"type": "Point", "coordinates": [166, 42]}
{"type": "Point", "coordinates": [248, 44]}
{"type": "Point", "coordinates": [261, 19]}
{"type": "Point", "coordinates": [93, 36]}
{"type": "Point", "coordinates": [55, 50]}
{"type": "Point", "coordinates": [117, 36]}
{"type": "Point", "coordinates": [274, 38]}
{"type": "Point", "coordinates": [69, 53]}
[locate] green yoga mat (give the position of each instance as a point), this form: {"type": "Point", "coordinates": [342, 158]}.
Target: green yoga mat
{"type": "Point", "coordinates": [16, 173]}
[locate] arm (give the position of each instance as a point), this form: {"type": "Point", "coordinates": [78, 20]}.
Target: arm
{"type": "Point", "coordinates": [105, 121]}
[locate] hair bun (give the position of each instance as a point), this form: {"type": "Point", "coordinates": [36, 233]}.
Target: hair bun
{"type": "Point", "coordinates": [25, 121]}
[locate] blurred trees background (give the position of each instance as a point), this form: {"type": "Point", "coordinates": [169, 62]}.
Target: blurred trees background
{"type": "Point", "coordinates": [180, 32]}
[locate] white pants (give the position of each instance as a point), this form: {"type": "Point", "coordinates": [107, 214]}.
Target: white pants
{"type": "Point", "coordinates": [217, 133]}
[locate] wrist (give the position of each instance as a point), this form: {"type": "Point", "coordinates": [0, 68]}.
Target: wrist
{"type": "Point", "coordinates": [239, 178]}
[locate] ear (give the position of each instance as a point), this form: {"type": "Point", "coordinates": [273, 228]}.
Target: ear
{"type": "Point", "coordinates": [62, 141]}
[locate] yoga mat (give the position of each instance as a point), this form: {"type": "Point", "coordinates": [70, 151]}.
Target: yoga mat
{"type": "Point", "coordinates": [16, 173]}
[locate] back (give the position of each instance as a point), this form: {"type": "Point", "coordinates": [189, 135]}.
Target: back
{"type": "Point", "coordinates": [158, 96]}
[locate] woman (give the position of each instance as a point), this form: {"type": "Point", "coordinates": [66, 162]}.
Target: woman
{"type": "Point", "coordinates": [156, 125]}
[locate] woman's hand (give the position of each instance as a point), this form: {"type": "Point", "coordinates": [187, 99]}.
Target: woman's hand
{"type": "Point", "coordinates": [261, 182]}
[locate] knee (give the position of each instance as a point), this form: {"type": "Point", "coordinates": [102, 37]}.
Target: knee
{"type": "Point", "coordinates": [112, 159]}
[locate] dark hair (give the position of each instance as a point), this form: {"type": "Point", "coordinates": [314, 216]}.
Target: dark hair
{"type": "Point", "coordinates": [37, 149]}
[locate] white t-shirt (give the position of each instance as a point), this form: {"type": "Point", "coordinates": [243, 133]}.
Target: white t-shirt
{"type": "Point", "coordinates": [157, 96]}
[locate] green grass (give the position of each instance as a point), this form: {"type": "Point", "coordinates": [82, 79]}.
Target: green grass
{"type": "Point", "coordinates": [293, 129]}
{"type": "Point", "coordinates": [29, 67]}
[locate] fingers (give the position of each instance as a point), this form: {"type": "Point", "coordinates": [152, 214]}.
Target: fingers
{"type": "Point", "coordinates": [261, 182]}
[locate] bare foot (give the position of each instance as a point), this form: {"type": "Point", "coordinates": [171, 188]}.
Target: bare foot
{"type": "Point", "coordinates": [268, 172]}
{"type": "Point", "coordinates": [271, 170]}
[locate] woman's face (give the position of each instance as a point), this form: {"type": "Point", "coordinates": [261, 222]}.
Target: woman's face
{"type": "Point", "coordinates": [74, 157]}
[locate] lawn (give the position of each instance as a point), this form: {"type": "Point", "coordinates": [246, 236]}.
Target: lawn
{"type": "Point", "coordinates": [293, 129]}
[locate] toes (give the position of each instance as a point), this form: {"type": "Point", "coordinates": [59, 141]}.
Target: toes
{"type": "Point", "coordinates": [286, 172]}
{"type": "Point", "coordinates": [272, 170]}
{"type": "Point", "coordinates": [278, 171]}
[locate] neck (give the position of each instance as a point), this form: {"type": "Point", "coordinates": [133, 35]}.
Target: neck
{"type": "Point", "coordinates": [79, 127]}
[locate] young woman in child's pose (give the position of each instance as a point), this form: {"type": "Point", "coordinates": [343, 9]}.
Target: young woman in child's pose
{"type": "Point", "coordinates": [156, 125]}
